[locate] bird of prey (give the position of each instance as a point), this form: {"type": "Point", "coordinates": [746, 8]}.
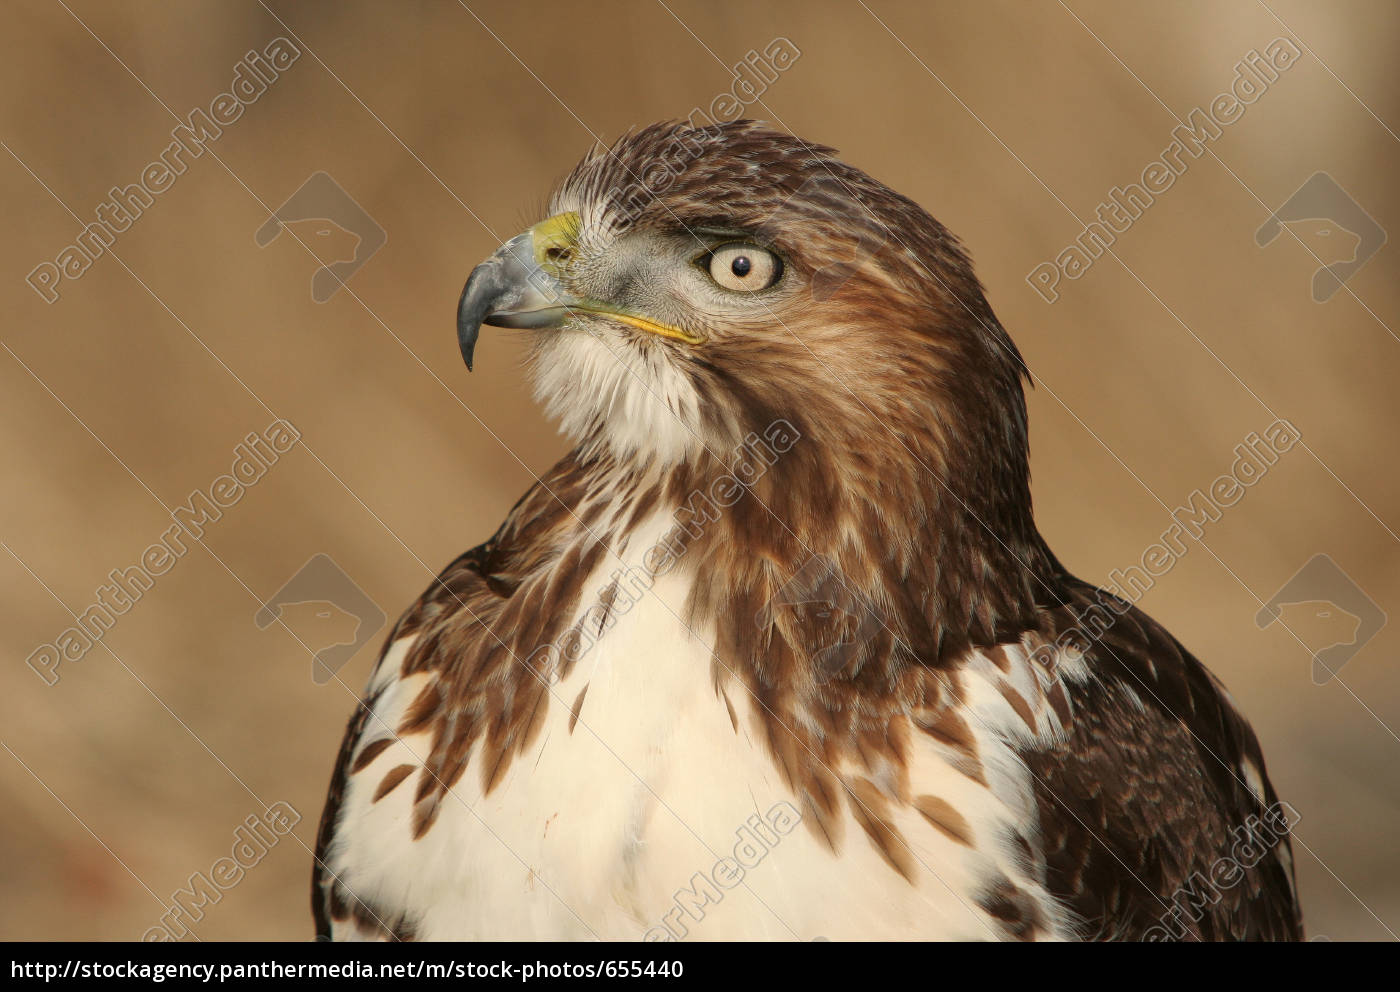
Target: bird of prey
{"type": "Point", "coordinates": [777, 650]}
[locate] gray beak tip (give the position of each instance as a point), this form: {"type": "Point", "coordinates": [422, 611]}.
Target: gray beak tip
{"type": "Point", "coordinates": [471, 310]}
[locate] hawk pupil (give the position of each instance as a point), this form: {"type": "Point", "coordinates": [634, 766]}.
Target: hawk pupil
{"type": "Point", "coordinates": [741, 266]}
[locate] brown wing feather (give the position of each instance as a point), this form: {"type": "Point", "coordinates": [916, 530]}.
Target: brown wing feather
{"type": "Point", "coordinates": [1148, 795]}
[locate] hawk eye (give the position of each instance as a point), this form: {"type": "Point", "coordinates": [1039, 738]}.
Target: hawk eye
{"type": "Point", "coordinates": [743, 268]}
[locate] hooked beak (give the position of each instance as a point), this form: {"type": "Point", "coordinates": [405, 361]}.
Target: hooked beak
{"type": "Point", "coordinates": [514, 287]}
{"type": "Point", "coordinates": [521, 286]}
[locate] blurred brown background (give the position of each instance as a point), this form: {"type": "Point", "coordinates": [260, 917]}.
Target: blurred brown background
{"type": "Point", "coordinates": [448, 124]}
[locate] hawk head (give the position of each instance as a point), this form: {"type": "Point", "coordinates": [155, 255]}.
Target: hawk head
{"type": "Point", "coordinates": [691, 282]}
{"type": "Point", "coordinates": [692, 286]}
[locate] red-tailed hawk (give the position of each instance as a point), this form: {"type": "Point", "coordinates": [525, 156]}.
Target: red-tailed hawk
{"type": "Point", "coordinates": [777, 650]}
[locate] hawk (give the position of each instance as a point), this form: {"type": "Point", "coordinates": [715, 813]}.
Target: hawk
{"type": "Point", "coordinates": [777, 650]}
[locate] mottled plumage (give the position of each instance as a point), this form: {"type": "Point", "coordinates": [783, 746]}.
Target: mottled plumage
{"type": "Point", "coordinates": [791, 564]}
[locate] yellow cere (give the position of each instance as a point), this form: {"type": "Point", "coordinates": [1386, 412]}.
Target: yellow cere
{"type": "Point", "coordinates": [558, 232]}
